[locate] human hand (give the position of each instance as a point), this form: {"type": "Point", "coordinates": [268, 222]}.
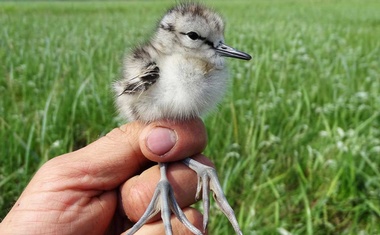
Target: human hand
{"type": "Point", "coordinates": [94, 190]}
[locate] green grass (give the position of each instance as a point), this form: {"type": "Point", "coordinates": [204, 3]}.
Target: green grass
{"type": "Point", "coordinates": [296, 142]}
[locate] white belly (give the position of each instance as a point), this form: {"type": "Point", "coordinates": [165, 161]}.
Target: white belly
{"type": "Point", "coordinates": [185, 89]}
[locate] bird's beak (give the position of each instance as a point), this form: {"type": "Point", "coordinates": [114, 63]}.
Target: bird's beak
{"type": "Point", "coordinates": [228, 51]}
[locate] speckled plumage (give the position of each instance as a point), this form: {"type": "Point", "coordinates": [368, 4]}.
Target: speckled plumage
{"type": "Point", "coordinates": [174, 76]}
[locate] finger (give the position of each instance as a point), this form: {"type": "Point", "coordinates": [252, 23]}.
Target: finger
{"type": "Point", "coordinates": [137, 192]}
{"type": "Point", "coordinates": [109, 161]}
{"type": "Point", "coordinates": [194, 216]}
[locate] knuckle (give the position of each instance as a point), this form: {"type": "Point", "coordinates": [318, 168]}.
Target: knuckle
{"type": "Point", "coordinates": [136, 198]}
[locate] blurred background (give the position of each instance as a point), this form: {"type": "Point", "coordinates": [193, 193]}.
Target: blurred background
{"type": "Point", "coordinates": [296, 141]}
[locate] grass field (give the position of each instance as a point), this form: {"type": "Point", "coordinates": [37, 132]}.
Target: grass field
{"type": "Point", "coordinates": [296, 142]}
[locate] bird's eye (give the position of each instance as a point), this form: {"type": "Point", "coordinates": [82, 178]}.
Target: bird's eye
{"type": "Point", "coordinates": [193, 35]}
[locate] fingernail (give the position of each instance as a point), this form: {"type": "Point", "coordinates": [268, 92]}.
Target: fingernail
{"type": "Point", "coordinates": [160, 140]}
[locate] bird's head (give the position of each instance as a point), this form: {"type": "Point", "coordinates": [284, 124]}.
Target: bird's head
{"type": "Point", "coordinates": [196, 31]}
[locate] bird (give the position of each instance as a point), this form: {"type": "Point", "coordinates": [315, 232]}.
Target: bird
{"type": "Point", "coordinates": [179, 74]}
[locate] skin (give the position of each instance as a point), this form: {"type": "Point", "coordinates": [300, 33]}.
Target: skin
{"type": "Point", "coordinates": [106, 186]}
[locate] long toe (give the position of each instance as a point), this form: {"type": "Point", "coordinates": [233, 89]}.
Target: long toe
{"type": "Point", "coordinates": [209, 180]}
{"type": "Point", "coordinates": [152, 209]}
{"type": "Point", "coordinates": [164, 200]}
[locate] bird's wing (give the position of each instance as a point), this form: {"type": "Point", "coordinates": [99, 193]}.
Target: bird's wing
{"type": "Point", "coordinates": [140, 71]}
{"type": "Point", "coordinates": [143, 81]}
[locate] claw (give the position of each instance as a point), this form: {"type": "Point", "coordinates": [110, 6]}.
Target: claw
{"type": "Point", "coordinates": [164, 200]}
{"type": "Point", "coordinates": [209, 181]}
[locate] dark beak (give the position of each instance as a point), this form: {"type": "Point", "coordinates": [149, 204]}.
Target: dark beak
{"type": "Point", "coordinates": [227, 51]}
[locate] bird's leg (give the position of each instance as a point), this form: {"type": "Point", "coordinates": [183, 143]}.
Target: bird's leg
{"type": "Point", "coordinates": [163, 199]}
{"type": "Point", "coordinates": [208, 180]}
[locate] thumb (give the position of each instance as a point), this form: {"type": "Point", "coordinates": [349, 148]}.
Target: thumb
{"type": "Point", "coordinates": [126, 151]}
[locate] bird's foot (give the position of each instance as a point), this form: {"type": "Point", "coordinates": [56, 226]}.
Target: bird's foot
{"type": "Point", "coordinates": [163, 200]}
{"type": "Point", "coordinates": [208, 180]}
